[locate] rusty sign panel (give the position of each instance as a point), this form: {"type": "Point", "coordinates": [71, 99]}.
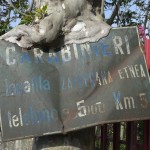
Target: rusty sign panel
{"type": "Point", "coordinates": [77, 86]}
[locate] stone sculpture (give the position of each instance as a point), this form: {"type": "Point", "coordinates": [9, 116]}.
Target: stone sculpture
{"type": "Point", "coordinates": [72, 21]}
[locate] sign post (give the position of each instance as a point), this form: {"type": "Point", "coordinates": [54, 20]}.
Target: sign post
{"type": "Point", "coordinates": [46, 92]}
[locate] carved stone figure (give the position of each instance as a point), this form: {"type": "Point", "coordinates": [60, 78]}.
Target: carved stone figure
{"type": "Point", "coordinates": [75, 21]}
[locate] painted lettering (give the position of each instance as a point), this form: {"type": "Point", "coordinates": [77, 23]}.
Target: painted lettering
{"type": "Point", "coordinates": [127, 44]}
{"type": "Point", "coordinates": [9, 60]}
{"type": "Point", "coordinates": [133, 71]}
{"type": "Point", "coordinates": [129, 102]}
{"type": "Point", "coordinates": [81, 108]}
{"type": "Point", "coordinates": [105, 51]}
{"type": "Point", "coordinates": [103, 78]}
{"type": "Point", "coordinates": [117, 98]}
{"type": "Point", "coordinates": [53, 58]}
{"type": "Point", "coordinates": [143, 99]}
{"type": "Point", "coordinates": [118, 45]}
{"type": "Point", "coordinates": [15, 121]}
{"type": "Point", "coordinates": [32, 117]}
{"type": "Point", "coordinates": [75, 51]}
{"type": "Point", "coordinates": [25, 57]}
{"type": "Point", "coordinates": [122, 103]}
{"type": "Point", "coordinates": [38, 55]}
{"type": "Point", "coordinates": [85, 48]}
{"type": "Point", "coordinates": [36, 84]}
{"type": "Point", "coordinates": [66, 54]}
{"type": "Point", "coordinates": [9, 119]}
{"type": "Point", "coordinates": [85, 110]}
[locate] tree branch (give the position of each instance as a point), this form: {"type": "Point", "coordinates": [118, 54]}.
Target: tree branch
{"type": "Point", "coordinates": [12, 5]}
{"type": "Point", "coordinates": [102, 8]}
{"type": "Point", "coordinates": [31, 6]}
{"type": "Point", "coordinates": [114, 13]}
{"type": "Point", "coordinates": [146, 15]}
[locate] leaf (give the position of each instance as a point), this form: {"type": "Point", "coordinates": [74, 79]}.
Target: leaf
{"type": "Point", "coordinates": [38, 10]}
{"type": "Point", "coordinates": [44, 8]}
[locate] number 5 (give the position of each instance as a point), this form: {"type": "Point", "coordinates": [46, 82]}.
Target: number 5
{"type": "Point", "coordinates": [81, 108]}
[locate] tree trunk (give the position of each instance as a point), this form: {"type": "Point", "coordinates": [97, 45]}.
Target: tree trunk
{"type": "Point", "coordinates": [78, 140]}
{"type": "Point", "coordinates": [25, 144]}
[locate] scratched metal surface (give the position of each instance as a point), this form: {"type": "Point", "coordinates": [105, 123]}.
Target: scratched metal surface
{"type": "Point", "coordinates": [74, 87]}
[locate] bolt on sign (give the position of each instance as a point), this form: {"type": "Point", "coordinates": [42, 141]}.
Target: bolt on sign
{"type": "Point", "coordinates": [77, 86]}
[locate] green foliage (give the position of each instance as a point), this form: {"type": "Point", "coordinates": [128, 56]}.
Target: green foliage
{"type": "Point", "coordinates": [3, 27]}
{"type": "Point", "coordinates": [8, 14]}
{"type": "Point", "coordinates": [29, 17]}
{"type": "Point", "coordinates": [97, 139]}
{"type": "Point", "coordinates": [123, 136]}
{"type": "Point", "coordinates": [140, 128]}
{"type": "Point", "coordinates": [129, 12]}
{"type": "Point", "coordinates": [122, 147]}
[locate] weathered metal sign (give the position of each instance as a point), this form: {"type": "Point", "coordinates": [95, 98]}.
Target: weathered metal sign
{"type": "Point", "coordinates": [74, 87]}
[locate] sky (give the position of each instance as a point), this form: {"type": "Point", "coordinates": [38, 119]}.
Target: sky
{"type": "Point", "coordinates": [16, 22]}
{"type": "Point", "coordinates": [107, 12]}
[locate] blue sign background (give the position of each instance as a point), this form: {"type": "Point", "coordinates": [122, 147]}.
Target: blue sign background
{"type": "Point", "coordinates": [77, 86]}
